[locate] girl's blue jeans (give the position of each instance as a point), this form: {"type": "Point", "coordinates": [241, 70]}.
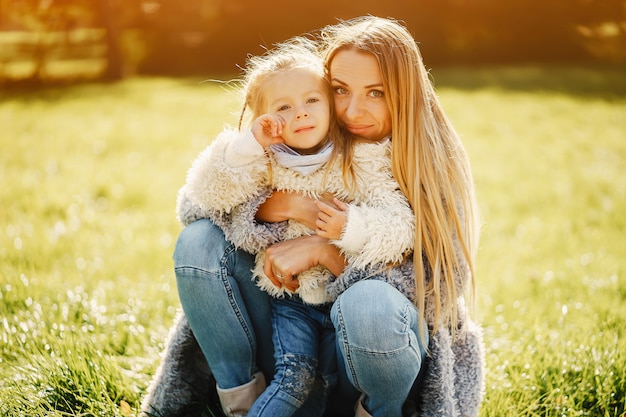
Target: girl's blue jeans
{"type": "Point", "coordinates": [378, 351]}
{"type": "Point", "coordinates": [304, 346]}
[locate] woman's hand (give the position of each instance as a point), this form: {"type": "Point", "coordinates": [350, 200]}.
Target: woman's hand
{"type": "Point", "coordinates": [285, 260]}
{"type": "Point", "coordinates": [283, 206]}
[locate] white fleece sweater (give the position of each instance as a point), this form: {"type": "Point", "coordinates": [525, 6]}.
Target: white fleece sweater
{"type": "Point", "coordinates": [381, 226]}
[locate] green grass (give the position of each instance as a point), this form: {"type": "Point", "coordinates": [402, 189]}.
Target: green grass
{"type": "Point", "coordinates": [87, 227]}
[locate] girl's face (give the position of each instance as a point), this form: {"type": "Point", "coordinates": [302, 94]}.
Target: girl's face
{"type": "Point", "coordinates": [300, 97]}
{"type": "Point", "coordinates": [359, 96]}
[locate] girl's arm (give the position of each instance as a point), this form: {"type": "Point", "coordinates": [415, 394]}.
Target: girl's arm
{"type": "Point", "coordinates": [231, 171]}
{"type": "Point", "coordinates": [381, 230]}
{"type": "Point", "coordinates": [226, 184]}
{"type": "Point", "coordinates": [380, 226]}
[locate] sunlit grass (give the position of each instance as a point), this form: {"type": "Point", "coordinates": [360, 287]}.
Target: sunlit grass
{"type": "Point", "coordinates": [550, 169]}
{"type": "Point", "coordinates": [89, 179]}
{"type": "Point", "coordinates": [87, 227]}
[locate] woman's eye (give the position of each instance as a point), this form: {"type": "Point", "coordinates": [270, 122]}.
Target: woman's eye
{"type": "Point", "coordinates": [340, 90]}
{"type": "Point", "coordinates": [377, 94]}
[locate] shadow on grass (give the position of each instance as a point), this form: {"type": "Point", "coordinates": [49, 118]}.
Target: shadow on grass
{"type": "Point", "coordinates": [606, 82]}
{"type": "Point", "coordinates": [588, 81]}
{"type": "Point", "coordinates": [58, 89]}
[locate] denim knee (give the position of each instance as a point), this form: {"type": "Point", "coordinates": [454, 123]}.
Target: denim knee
{"type": "Point", "coordinates": [373, 317]}
{"type": "Point", "coordinates": [297, 376]}
{"type": "Point", "coordinates": [197, 241]}
{"type": "Point", "coordinates": [373, 311]}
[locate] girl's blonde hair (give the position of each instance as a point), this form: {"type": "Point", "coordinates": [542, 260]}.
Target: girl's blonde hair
{"type": "Point", "coordinates": [428, 161]}
{"type": "Point", "coordinates": [297, 53]}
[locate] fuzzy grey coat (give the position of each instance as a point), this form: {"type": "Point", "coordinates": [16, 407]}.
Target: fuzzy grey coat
{"type": "Point", "coordinates": [452, 386]}
{"type": "Point", "coordinates": [380, 226]}
{"type": "Point", "coordinates": [453, 382]}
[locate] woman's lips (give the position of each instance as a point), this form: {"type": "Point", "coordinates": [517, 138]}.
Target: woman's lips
{"type": "Point", "coordinates": [357, 128]}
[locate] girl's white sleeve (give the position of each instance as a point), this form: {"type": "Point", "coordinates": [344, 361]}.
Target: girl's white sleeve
{"type": "Point", "coordinates": [381, 228]}
{"type": "Point", "coordinates": [229, 172]}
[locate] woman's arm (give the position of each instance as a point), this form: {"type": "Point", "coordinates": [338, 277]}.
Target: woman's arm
{"type": "Point", "coordinates": [251, 231]}
{"type": "Point", "coordinates": [284, 205]}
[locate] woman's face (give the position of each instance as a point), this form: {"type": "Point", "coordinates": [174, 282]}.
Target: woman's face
{"type": "Point", "coordinates": [359, 96]}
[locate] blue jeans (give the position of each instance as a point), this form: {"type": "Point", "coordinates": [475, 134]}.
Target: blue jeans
{"type": "Point", "coordinates": [224, 307]}
{"type": "Point", "coordinates": [377, 334]}
{"type": "Point", "coordinates": [230, 316]}
{"type": "Point", "coordinates": [304, 346]}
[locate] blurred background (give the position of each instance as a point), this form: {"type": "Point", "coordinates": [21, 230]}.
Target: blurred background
{"type": "Point", "coordinates": [51, 40]}
{"type": "Point", "coordinates": [90, 169]}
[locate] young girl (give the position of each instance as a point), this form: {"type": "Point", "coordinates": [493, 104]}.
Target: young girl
{"type": "Point", "coordinates": [291, 147]}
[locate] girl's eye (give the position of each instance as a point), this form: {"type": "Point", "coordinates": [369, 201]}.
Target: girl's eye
{"type": "Point", "coordinates": [283, 108]}
{"type": "Point", "coordinates": [313, 100]}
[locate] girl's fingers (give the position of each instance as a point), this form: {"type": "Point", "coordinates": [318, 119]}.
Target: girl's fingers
{"type": "Point", "coordinates": [340, 204]}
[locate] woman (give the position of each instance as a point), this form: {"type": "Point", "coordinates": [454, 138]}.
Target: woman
{"type": "Point", "coordinates": [382, 87]}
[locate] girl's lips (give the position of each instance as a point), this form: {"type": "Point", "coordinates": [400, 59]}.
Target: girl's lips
{"type": "Point", "coordinates": [305, 129]}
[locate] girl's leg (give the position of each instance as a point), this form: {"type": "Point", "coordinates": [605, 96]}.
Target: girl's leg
{"type": "Point", "coordinates": [326, 380]}
{"type": "Point", "coordinates": [297, 328]}
{"type": "Point", "coordinates": [228, 313]}
{"type": "Point", "coordinates": [377, 334]}
{"type": "Point", "coordinates": [344, 396]}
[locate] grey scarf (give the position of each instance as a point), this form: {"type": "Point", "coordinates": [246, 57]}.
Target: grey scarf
{"type": "Point", "coordinates": [304, 164]}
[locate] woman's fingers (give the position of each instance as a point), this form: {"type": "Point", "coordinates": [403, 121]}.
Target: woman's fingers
{"type": "Point", "coordinates": [340, 204]}
{"type": "Point", "coordinates": [269, 272]}
{"type": "Point", "coordinates": [276, 274]}
{"type": "Point", "coordinates": [291, 282]}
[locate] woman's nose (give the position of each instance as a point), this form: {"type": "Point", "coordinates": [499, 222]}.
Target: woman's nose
{"type": "Point", "coordinates": [354, 107]}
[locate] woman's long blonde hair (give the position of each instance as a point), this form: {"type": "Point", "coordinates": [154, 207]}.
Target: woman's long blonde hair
{"type": "Point", "coordinates": [429, 163]}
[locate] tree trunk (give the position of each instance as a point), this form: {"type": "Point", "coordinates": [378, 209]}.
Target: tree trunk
{"type": "Point", "coordinates": [115, 62]}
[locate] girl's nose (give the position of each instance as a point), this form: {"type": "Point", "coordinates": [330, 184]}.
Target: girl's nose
{"type": "Point", "coordinates": [302, 114]}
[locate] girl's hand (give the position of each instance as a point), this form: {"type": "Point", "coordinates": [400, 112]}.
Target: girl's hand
{"type": "Point", "coordinates": [331, 221]}
{"type": "Point", "coordinates": [268, 129]}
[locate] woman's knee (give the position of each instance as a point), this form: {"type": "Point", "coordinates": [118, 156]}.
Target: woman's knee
{"type": "Point", "coordinates": [369, 300]}
{"type": "Point", "coordinates": [196, 241]}
{"type": "Point", "coordinates": [374, 315]}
